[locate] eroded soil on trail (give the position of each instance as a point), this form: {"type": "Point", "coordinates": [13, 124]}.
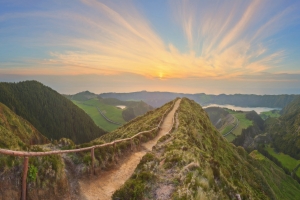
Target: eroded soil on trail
{"type": "Point", "coordinates": [107, 182]}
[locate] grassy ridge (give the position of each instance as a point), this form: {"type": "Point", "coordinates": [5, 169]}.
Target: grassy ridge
{"type": "Point", "coordinates": [143, 123]}
{"type": "Point", "coordinates": [195, 162]}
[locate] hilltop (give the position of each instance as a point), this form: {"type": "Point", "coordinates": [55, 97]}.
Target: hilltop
{"type": "Point", "coordinates": [50, 113]}
{"type": "Point", "coordinates": [196, 162]}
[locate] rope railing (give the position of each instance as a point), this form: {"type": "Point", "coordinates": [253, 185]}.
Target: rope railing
{"type": "Point", "coordinates": [26, 155]}
{"type": "Point", "coordinates": [30, 154]}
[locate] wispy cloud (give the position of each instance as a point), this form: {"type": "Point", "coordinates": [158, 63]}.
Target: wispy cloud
{"type": "Point", "coordinates": [225, 39]}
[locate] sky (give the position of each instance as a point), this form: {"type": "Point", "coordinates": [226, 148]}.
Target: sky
{"type": "Point", "coordinates": [226, 46]}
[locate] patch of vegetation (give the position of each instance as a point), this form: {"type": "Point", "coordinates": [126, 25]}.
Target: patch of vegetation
{"type": "Point", "coordinates": [32, 173]}
{"type": "Point", "coordinates": [141, 180]}
{"type": "Point", "coordinates": [285, 130]}
{"type": "Point", "coordinates": [272, 113]}
{"type": "Point", "coordinates": [286, 160]}
{"type": "Point", "coordinates": [230, 137]}
{"type": "Point", "coordinates": [243, 123]}
{"type": "Point", "coordinates": [99, 120]}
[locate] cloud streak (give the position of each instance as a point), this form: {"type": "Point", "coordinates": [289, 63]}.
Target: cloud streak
{"type": "Point", "coordinates": [225, 40]}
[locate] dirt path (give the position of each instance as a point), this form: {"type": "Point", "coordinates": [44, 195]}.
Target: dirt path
{"type": "Point", "coordinates": [104, 185]}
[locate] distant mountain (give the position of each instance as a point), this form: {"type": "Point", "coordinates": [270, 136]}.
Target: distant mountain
{"type": "Point", "coordinates": [157, 99]}
{"type": "Point", "coordinates": [81, 96]}
{"type": "Point", "coordinates": [17, 133]}
{"type": "Point", "coordinates": [196, 162]}
{"type": "Point", "coordinates": [48, 111]}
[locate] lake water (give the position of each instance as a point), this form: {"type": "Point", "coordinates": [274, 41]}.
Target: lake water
{"type": "Point", "coordinates": [121, 106]}
{"type": "Point", "coordinates": [232, 107]}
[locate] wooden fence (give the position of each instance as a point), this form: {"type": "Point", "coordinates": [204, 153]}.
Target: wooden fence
{"type": "Point", "coordinates": [26, 155]}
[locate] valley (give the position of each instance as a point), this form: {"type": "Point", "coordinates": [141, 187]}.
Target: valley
{"type": "Point", "coordinates": [151, 156]}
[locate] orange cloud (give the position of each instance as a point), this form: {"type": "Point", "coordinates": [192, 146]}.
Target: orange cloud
{"type": "Point", "coordinates": [116, 38]}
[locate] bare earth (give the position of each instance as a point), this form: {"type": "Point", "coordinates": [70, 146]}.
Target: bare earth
{"type": "Point", "coordinates": [103, 186]}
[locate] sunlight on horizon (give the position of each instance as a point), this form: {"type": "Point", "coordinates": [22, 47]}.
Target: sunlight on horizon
{"type": "Point", "coordinates": [215, 40]}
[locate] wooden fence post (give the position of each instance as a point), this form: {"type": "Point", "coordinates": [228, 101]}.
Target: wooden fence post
{"type": "Point", "coordinates": [24, 184]}
{"type": "Point", "coordinates": [93, 158]}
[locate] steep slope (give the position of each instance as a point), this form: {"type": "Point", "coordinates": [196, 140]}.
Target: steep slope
{"type": "Point", "coordinates": [218, 116]}
{"type": "Point", "coordinates": [51, 113]}
{"type": "Point", "coordinates": [196, 162]}
{"type": "Point", "coordinates": [17, 133]}
{"type": "Point", "coordinates": [285, 130]}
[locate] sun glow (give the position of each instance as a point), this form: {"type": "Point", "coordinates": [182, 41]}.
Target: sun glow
{"type": "Point", "coordinates": [118, 39]}
{"type": "Point", "coordinates": [161, 75]}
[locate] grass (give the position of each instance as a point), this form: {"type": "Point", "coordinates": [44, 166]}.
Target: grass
{"type": "Point", "coordinates": [111, 112]}
{"type": "Point", "coordinates": [243, 123]}
{"type": "Point", "coordinates": [283, 186]}
{"type": "Point", "coordinates": [285, 159]}
{"type": "Point", "coordinates": [230, 137]}
{"type": "Point", "coordinates": [227, 128]}
{"type": "Point", "coordinates": [271, 113]}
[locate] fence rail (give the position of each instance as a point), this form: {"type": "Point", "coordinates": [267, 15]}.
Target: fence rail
{"type": "Point", "coordinates": [26, 155]}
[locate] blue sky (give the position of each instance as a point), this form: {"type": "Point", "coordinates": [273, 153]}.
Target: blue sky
{"type": "Point", "coordinates": [180, 46]}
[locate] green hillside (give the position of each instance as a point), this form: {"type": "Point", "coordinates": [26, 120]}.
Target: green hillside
{"type": "Point", "coordinates": [196, 162]}
{"type": "Point", "coordinates": [17, 133]}
{"type": "Point", "coordinates": [90, 103]}
{"type": "Point", "coordinates": [111, 112]}
{"type": "Point", "coordinates": [49, 112]}
{"type": "Point", "coordinates": [285, 130]}
{"type": "Point", "coordinates": [226, 120]}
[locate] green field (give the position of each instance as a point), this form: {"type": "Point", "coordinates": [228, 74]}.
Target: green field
{"type": "Point", "coordinates": [285, 160]}
{"type": "Point", "coordinates": [271, 113]}
{"type": "Point", "coordinates": [230, 137]}
{"type": "Point", "coordinates": [243, 123]}
{"type": "Point", "coordinates": [111, 112]}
